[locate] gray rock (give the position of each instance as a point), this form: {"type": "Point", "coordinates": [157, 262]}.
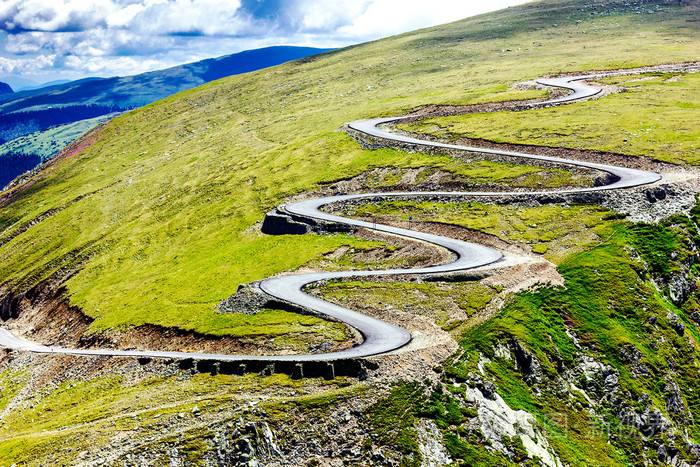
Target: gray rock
{"type": "Point", "coordinates": [320, 348]}
{"type": "Point", "coordinates": [247, 300]}
{"type": "Point", "coordinates": [630, 354]}
{"type": "Point", "coordinates": [674, 399]}
{"type": "Point", "coordinates": [655, 194]}
{"type": "Point", "coordinates": [430, 445]}
{"type": "Point", "coordinates": [680, 287]}
{"type": "Point", "coordinates": [526, 362]}
{"type": "Point", "coordinates": [652, 422]}
{"type": "Point", "coordinates": [612, 382]}
{"type": "Point", "coordinates": [488, 389]}
{"type": "Point", "coordinates": [269, 442]}
{"type": "Point", "coordinates": [675, 323]}
{"type": "Point", "coordinates": [245, 446]}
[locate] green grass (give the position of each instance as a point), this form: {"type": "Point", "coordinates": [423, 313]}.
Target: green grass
{"type": "Point", "coordinates": [649, 119]}
{"type": "Point", "coordinates": [57, 422]}
{"type": "Point", "coordinates": [607, 306]}
{"type": "Point", "coordinates": [432, 299]}
{"type": "Point", "coordinates": [392, 420]}
{"type": "Point", "coordinates": [11, 382]}
{"type": "Point", "coordinates": [177, 185]}
{"type": "Point", "coordinates": [576, 228]}
{"type": "Point", "coordinates": [471, 172]}
{"type": "Point", "coordinates": [175, 191]}
{"type": "Point", "coordinates": [513, 175]}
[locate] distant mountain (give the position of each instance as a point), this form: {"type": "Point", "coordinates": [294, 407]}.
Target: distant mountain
{"type": "Point", "coordinates": [34, 110]}
{"type": "Point", "coordinates": [31, 111]}
{"type": "Point", "coordinates": [43, 85]}
{"type": "Point", "coordinates": [134, 91]}
{"type": "Point", "coordinates": [5, 88]}
{"type": "Point", "coordinates": [18, 82]}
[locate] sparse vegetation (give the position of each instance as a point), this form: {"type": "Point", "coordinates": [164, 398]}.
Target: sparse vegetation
{"type": "Point", "coordinates": [437, 300]}
{"type": "Point", "coordinates": [576, 227]}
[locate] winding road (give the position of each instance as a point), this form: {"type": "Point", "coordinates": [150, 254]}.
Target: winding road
{"type": "Point", "coordinates": [379, 336]}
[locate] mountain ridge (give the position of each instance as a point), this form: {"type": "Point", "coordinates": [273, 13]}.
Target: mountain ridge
{"type": "Point", "coordinates": [158, 83]}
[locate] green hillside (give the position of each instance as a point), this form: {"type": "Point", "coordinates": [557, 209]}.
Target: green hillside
{"type": "Point", "coordinates": [627, 123]}
{"type": "Point", "coordinates": [155, 218]}
{"type": "Point", "coordinates": [173, 187]}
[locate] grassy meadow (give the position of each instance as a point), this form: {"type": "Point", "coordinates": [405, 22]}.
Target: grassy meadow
{"type": "Point", "coordinates": [158, 219]}
{"type": "Point", "coordinates": [169, 194]}
{"type": "Point", "coordinates": [650, 118]}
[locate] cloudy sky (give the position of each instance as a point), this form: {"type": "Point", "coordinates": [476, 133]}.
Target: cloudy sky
{"type": "Point", "coordinates": [43, 40]}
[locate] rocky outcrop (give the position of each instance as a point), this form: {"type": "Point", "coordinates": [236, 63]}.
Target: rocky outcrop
{"type": "Point", "coordinates": [499, 424]}
{"type": "Point", "coordinates": [247, 444]}
{"type": "Point", "coordinates": [680, 287]}
{"type": "Point", "coordinates": [655, 194]}
{"type": "Point", "coordinates": [526, 363]}
{"type": "Point", "coordinates": [432, 450]}
{"type": "Point", "coordinates": [247, 300]}
{"type": "Point", "coordinates": [674, 400]}
{"type": "Point", "coordinates": [250, 299]}
{"type": "Point", "coordinates": [280, 222]}
{"type": "Point", "coordinates": [675, 322]}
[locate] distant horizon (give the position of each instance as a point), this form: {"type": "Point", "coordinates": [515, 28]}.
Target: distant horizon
{"type": "Point", "coordinates": [25, 86]}
{"type": "Point", "coordinates": [68, 40]}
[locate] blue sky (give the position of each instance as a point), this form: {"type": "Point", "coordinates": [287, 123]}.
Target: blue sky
{"type": "Point", "coordinates": [44, 40]}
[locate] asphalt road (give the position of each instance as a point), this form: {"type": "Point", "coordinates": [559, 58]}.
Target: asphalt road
{"type": "Point", "coordinates": [379, 336]}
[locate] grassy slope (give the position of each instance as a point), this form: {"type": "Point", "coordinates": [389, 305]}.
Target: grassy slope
{"type": "Point", "coordinates": [650, 119]}
{"type": "Point", "coordinates": [576, 227]}
{"type": "Point", "coordinates": [135, 233]}
{"type": "Point", "coordinates": [61, 424]}
{"type": "Point", "coordinates": [176, 184]}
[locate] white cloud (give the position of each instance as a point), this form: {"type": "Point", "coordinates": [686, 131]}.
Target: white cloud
{"type": "Point", "coordinates": [114, 66]}
{"type": "Point", "coordinates": [323, 16]}
{"type": "Point", "coordinates": [124, 16]}
{"type": "Point", "coordinates": [207, 17]}
{"type": "Point", "coordinates": [150, 16]}
{"type": "Point", "coordinates": [25, 43]}
{"type": "Point", "coordinates": [386, 17]}
{"type": "Point", "coordinates": [56, 15]}
{"type": "Point", "coordinates": [87, 37]}
{"type": "Point", "coordinates": [26, 66]}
